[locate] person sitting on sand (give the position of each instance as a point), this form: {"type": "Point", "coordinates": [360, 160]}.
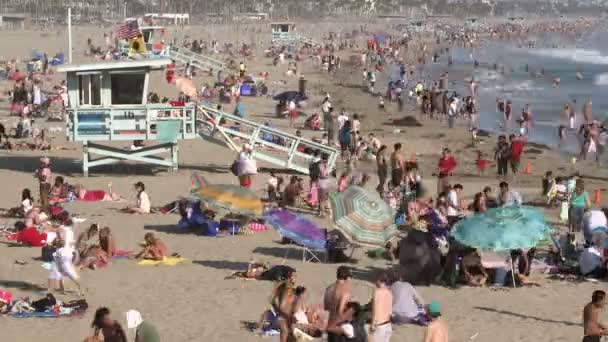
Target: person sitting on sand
{"type": "Point", "coordinates": [307, 319]}
{"type": "Point", "coordinates": [87, 239]}
{"type": "Point", "coordinates": [82, 194]}
{"type": "Point", "coordinates": [58, 192]}
{"type": "Point", "coordinates": [101, 252]}
{"type": "Point", "coordinates": [474, 272]}
{"type": "Point", "coordinates": [105, 328]}
{"type": "Point", "coordinates": [522, 265]}
{"type": "Point", "coordinates": [27, 204]}
{"type": "Point", "coordinates": [142, 205]}
{"type": "Point", "coordinates": [35, 217]}
{"type": "Point", "coordinates": [153, 248]}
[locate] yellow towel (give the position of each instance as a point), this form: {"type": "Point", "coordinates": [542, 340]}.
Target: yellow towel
{"type": "Point", "coordinates": [166, 261]}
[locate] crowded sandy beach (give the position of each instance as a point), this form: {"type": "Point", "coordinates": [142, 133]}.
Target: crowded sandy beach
{"type": "Point", "coordinates": [304, 181]}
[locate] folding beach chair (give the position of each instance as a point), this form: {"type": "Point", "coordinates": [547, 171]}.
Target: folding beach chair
{"type": "Point", "coordinates": [309, 254]}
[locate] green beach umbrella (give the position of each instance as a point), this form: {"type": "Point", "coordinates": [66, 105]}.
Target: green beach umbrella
{"type": "Point", "coordinates": [363, 216]}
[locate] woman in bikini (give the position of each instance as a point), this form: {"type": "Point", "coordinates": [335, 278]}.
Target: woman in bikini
{"type": "Point", "coordinates": [58, 192]}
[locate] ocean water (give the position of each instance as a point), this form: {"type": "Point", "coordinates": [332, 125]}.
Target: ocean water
{"type": "Point", "coordinates": [589, 56]}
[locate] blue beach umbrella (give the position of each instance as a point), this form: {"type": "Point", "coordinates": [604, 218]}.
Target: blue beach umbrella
{"type": "Point", "coordinates": [503, 229]}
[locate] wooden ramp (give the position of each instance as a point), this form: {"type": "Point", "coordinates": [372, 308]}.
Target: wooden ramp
{"type": "Point", "coordinates": [270, 145]}
{"type": "Point", "coordinates": [199, 61]}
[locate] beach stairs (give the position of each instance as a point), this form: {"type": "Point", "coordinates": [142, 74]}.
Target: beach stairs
{"type": "Point", "coordinates": [184, 56]}
{"type": "Point", "coordinates": [270, 145]}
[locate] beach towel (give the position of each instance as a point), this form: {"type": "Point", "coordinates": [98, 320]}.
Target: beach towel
{"type": "Point", "coordinates": [167, 262]}
{"type": "Point", "coordinates": [93, 196]}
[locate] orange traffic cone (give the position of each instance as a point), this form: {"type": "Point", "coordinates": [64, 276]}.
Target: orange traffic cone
{"type": "Point", "coordinates": [528, 168]}
{"type": "Point", "coordinates": [597, 198]}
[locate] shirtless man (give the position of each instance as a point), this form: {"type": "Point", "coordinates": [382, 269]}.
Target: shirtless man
{"type": "Point", "coordinates": [382, 309]}
{"type": "Point", "coordinates": [397, 165]}
{"type": "Point", "coordinates": [437, 330]}
{"type": "Point", "coordinates": [594, 330]}
{"type": "Point", "coordinates": [337, 295]}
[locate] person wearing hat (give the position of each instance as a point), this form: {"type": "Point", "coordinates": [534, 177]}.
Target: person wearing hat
{"type": "Point", "coordinates": [437, 330]}
{"type": "Point", "coordinates": [144, 330]}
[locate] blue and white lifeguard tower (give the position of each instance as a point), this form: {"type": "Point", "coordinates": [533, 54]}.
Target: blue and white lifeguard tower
{"type": "Point", "coordinates": [108, 103]}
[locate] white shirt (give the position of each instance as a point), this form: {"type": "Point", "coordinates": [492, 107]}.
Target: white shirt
{"type": "Point", "coordinates": [595, 219]}
{"type": "Point", "coordinates": [348, 329]}
{"type": "Point", "coordinates": [590, 259]}
{"type": "Point", "coordinates": [453, 201]}
{"type": "Point", "coordinates": [27, 205]}
{"type": "Point", "coordinates": [143, 202]}
{"type": "Point", "coordinates": [341, 120]}
{"type": "Point", "coordinates": [326, 107]}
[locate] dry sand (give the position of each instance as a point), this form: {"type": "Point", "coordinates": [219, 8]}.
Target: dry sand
{"type": "Point", "coordinates": [193, 302]}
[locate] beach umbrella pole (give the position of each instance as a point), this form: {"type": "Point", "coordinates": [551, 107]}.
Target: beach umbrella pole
{"type": "Point", "coordinates": [512, 272]}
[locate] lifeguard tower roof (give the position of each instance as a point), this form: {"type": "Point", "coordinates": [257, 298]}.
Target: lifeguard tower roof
{"type": "Point", "coordinates": [152, 64]}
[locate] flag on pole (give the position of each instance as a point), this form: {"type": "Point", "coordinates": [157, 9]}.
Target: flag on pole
{"type": "Point", "coordinates": [128, 30]}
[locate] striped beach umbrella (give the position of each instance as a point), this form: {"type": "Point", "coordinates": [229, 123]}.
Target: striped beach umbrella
{"type": "Point", "coordinates": [363, 216]}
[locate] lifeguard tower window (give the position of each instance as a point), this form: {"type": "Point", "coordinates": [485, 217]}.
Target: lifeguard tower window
{"type": "Point", "coordinates": [284, 28]}
{"type": "Point", "coordinates": [127, 88]}
{"type": "Point", "coordinates": [90, 89]}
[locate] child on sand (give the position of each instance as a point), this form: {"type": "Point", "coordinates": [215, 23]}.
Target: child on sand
{"type": "Point", "coordinates": [481, 162]}
{"type": "Point", "coordinates": [153, 248]}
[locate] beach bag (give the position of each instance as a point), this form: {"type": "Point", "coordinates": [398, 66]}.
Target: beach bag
{"type": "Point", "coordinates": [234, 168]}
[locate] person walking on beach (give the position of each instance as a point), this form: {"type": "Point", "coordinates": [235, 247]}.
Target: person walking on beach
{"type": "Point", "coordinates": [337, 295]}
{"type": "Point", "coordinates": [397, 165]}
{"type": "Point", "coordinates": [501, 155]}
{"type": "Point", "coordinates": [508, 115]}
{"type": "Point", "coordinates": [447, 164]}
{"type": "Point", "coordinates": [437, 330]}
{"type": "Point", "coordinates": [328, 120]}
{"type": "Point", "coordinates": [516, 151]}
{"type": "Point", "coordinates": [593, 329]}
{"type": "Point", "coordinates": [382, 168]}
